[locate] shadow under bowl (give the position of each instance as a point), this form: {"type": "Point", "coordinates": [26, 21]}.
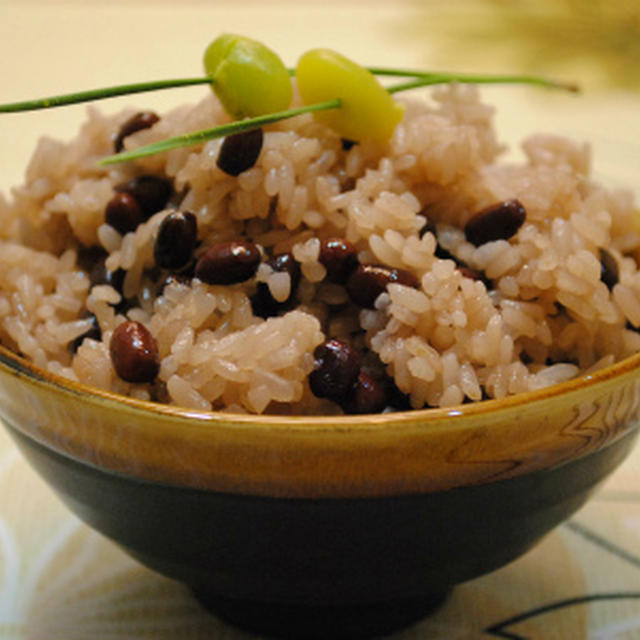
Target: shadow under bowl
{"type": "Point", "coordinates": [323, 527]}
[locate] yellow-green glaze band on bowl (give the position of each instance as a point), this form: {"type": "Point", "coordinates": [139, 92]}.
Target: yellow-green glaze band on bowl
{"type": "Point", "coordinates": [387, 454]}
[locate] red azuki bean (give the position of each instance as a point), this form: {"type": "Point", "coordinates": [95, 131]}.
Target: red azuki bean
{"type": "Point", "coordinates": [498, 221]}
{"type": "Point", "coordinates": [92, 260]}
{"type": "Point", "coordinates": [440, 251]}
{"type": "Point", "coordinates": [228, 263]}
{"type": "Point", "coordinates": [240, 151]}
{"type": "Point", "coordinates": [474, 274]}
{"type": "Point", "coordinates": [285, 262]}
{"type": "Point", "coordinates": [123, 213]}
{"type": "Point", "coordinates": [134, 352]}
{"type": "Point", "coordinates": [336, 370]}
{"type": "Point", "coordinates": [138, 122]}
{"type": "Point", "coordinates": [263, 303]}
{"type": "Point", "coordinates": [339, 257]}
{"type": "Point", "coordinates": [397, 399]}
{"type": "Point", "coordinates": [99, 274]}
{"type": "Point", "coordinates": [151, 192]}
{"type": "Point", "coordinates": [347, 144]}
{"type": "Point", "coordinates": [88, 257]}
{"type": "Point", "coordinates": [177, 238]}
{"type": "Point", "coordinates": [368, 281]}
{"type": "Point", "coordinates": [609, 272]}
{"type": "Point", "coordinates": [368, 395]}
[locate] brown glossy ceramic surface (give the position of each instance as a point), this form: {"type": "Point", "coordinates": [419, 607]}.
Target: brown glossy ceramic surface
{"type": "Point", "coordinates": [388, 454]}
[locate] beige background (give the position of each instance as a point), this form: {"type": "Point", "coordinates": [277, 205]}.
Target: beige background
{"type": "Point", "coordinates": [60, 580]}
{"type": "Point", "coordinates": [56, 47]}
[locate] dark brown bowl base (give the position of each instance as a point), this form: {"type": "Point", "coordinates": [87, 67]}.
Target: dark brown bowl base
{"type": "Point", "coordinates": [319, 622]}
{"type": "Point", "coordinates": [289, 566]}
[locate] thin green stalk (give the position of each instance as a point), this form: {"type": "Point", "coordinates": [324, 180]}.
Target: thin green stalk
{"type": "Point", "coordinates": [427, 79]}
{"type": "Point", "coordinates": [422, 79]}
{"type": "Point", "coordinates": [216, 132]}
{"type": "Point", "coordinates": [98, 94]}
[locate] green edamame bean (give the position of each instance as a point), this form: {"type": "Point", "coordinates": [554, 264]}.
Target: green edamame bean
{"type": "Point", "coordinates": [367, 111]}
{"type": "Point", "coordinates": [248, 77]}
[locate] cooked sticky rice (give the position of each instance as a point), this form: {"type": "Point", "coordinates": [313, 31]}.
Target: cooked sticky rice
{"type": "Point", "coordinates": [484, 321]}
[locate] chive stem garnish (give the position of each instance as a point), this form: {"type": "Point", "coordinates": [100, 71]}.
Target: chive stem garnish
{"type": "Point", "coordinates": [216, 132]}
{"type": "Point", "coordinates": [99, 94]}
{"type": "Point", "coordinates": [422, 79]}
{"type": "Point", "coordinates": [414, 80]}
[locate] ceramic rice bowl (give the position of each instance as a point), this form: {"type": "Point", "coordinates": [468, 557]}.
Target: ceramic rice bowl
{"type": "Point", "coordinates": [323, 526]}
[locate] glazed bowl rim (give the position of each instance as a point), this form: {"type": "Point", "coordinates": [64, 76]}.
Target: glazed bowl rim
{"type": "Point", "coordinates": [20, 365]}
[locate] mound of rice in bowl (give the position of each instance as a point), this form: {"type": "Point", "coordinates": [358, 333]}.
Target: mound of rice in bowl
{"type": "Point", "coordinates": [325, 277]}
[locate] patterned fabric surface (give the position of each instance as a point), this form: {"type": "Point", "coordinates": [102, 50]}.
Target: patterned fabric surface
{"type": "Point", "coordinates": [61, 581]}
